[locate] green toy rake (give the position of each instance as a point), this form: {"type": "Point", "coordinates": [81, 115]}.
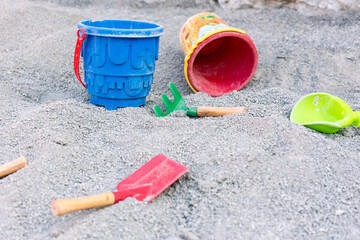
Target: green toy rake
{"type": "Point", "coordinates": [179, 104]}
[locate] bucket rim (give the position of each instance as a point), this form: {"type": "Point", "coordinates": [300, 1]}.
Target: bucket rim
{"type": "Point", "coordinates": [229, 30]}
{"type": "Point", "coordinates": [155, 30]}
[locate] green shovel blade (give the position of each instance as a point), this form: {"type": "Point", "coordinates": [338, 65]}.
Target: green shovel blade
{"type": "Point", "coordinates": [324, 113]}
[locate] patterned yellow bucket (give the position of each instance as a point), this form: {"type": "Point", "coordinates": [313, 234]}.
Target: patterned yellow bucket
{"type": "Point", "coordinates": [219, 59]}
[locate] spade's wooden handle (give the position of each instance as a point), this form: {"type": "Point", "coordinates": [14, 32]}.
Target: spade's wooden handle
{"type": "Point", "coordinates": [64, 206]}
{"type": "Point", "coordinates": [12, 166]}
{"type": "Point", "coordinates": [218, 111]}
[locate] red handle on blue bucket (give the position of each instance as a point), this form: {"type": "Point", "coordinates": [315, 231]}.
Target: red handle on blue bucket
{"type": "Point", "coordinates": [77, 53]}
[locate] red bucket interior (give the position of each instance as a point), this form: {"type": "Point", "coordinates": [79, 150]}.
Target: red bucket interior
{"type": "Point", "coordinates": [222, 63]}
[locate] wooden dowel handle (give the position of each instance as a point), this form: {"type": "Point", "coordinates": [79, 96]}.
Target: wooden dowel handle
{"type": "Point", "coordinates": [219, 111]}
{"type": "Point", "coordinates": [12, 166]}
{"type": "Point", "coordinates": [64, 206]}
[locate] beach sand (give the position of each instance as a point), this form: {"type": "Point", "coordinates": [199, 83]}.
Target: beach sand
{"type": "Point", "coordinates": [254, 175]}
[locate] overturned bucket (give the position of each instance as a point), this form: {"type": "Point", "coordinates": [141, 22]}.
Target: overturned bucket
{"type": "Point", "coordinates": [119, 60]}
{"type": "Point", "coordinates": [218, 58]}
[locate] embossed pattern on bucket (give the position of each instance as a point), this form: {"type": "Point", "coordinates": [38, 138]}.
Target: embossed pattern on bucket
{"type": "Point", "coordinates": [119, 61]}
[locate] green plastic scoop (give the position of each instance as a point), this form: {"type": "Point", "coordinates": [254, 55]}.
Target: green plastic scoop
{"type": "Point", "coordinates": [324, 112]}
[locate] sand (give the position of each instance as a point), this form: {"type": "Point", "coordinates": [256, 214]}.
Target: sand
{"type": "Point", "coordinates": [252, 176]}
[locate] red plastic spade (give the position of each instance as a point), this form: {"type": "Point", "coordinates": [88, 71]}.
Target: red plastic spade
{"type": "Point", "coordinates": [144, 184]}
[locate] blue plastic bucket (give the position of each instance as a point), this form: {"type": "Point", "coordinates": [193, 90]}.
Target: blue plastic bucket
{"type": "Point", "coordinates": [119, 60]}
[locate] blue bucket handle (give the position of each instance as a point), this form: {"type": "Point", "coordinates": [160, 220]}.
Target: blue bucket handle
{"type": "Point", "coordinates": [80, 39]}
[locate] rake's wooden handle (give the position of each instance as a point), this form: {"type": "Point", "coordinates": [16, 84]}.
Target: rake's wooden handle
{"type": "Point", "coordinates": [12, 166]}
{"type": "Point", "coordinates": [64, 206]}
{"type": "Point", "coordinates": [218, 111]}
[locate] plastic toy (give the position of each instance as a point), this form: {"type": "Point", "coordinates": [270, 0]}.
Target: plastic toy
{"type": "Point", "coordinates": [324, 113]}
{"type": "Point", "coordinates": [179, 104]}
{"type": "Point", "coordinates": [218, 58]}
{"type": "Point", "coordinates": [144, 184]}
{"type": "Point", "coordinates": [119, 60]}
